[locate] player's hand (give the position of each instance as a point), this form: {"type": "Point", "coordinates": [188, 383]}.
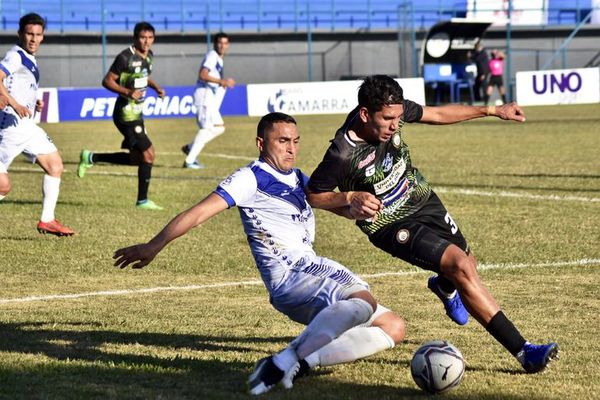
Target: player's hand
{"type": "Point", "coordinates": [22, 111]}
{"type": "Point", "coordinates": [161, 92]}
{"type": "Point", "coordinates": [510, 111]}
{"type": "Point", "coordinates": [140, 254]}
{"type": "Point", "coordinates": [227, 83]}
{"type": "Point", "coordinates": [39, 105]}
{"type": "Point", "coordinates": [364, 205]}
{"type": "Point", "coordinates": [136, 94]}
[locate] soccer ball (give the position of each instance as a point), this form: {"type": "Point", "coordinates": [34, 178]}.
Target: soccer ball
{"type": "Point", "coordinates": [437, 366]}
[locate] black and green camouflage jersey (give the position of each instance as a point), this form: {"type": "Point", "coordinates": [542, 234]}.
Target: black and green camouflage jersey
{"type": "Point", "coordinates": [383, 169]}
{"type": "Point", "coordinates": [133, 71]}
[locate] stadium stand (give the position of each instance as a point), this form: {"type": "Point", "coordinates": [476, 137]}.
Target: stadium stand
{"type": "Point", "coordinates": [256, 16]}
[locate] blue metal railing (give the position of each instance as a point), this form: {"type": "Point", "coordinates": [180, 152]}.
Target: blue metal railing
{"type": "Point", "coordinates": [65, 16]}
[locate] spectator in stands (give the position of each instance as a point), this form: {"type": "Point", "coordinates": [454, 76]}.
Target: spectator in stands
{"type": "Point", "coordinates": [496, 72]}
{"type": "Point", "coordinates": [481, 60]}
{"type": "Point", "coordinates": [209, 94]}
{"type": "Point", "coordinates": [19, 80]}
{"type": "Point", "coordinates": [129, 77]}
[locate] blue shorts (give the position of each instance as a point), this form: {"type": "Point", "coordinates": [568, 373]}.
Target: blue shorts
{"type": "Point", "coordinates": [313, 284]}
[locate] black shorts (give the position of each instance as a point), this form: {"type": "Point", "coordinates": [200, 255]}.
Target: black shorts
{"type": "Point", "coordinates": [421, 238]}
{"type": "Point", "coordinates": [496, 80]}
{"type": "Point", "coordinates": [134, 135]}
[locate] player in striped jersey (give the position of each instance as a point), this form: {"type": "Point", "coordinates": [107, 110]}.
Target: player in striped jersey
{"type": "Point", "coordinates": [370, 164]}
{"type": "Point", "coordinates": [19, 80]}
{"type": "Point", "coordinates": [344, 321]}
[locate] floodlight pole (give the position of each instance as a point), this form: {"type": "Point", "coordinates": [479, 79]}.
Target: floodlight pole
{"type": "Point", "coordinates": [309, 41]}
{"type": "Point", "coordinates": [103, 35]}
{"type": "Point", "coordinates": [509, 51]}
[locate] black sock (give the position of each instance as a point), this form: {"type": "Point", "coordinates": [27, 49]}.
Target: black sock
{"type": "Point", "coordinates": [445, 284]}
{"type": "Point", "coordinates": [486, 99]}
{"type": "Point", "coordinates": [504, 98]}
{"type": "Point", "coordinates": [505, 332]}
{"type": "Point", "coordinates": [112, 158]}
{"type": "Point", "coordinates": [144, 174]}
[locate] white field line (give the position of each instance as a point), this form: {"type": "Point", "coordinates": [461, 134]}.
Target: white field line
{"type": "Point", "coordinates": [438, 189]}
{"type": "Point", "coordinates": [126, 292]}
{"type": "Point", "coordinates": [470, 192]}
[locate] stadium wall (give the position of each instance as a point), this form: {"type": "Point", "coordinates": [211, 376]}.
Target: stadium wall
{"type": "Point", "coordinates": [76, 60]}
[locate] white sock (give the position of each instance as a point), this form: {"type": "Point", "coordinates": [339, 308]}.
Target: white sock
{"type": "Point", "coordinates": [286, 359]}
{"type": "Point", "coordinates": [50, 190]}
{"type": "Point", "coordinates": [354, 344]}
{"type": "Point", "coordinates": [2, 196]}
{"type": "Point", "coordinates": [202, 138]}
{"type": "Point", "coordinates": [330, 323]}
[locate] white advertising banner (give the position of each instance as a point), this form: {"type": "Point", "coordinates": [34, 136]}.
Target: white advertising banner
{"type": "Point", "coordinates": [524, 12]}
{"type": "Point", "coordinates": [336, 97]}
{"type": "Point", "coordinates": [559, 86]}
{"type": "Point", "coordinates": [49, 113]}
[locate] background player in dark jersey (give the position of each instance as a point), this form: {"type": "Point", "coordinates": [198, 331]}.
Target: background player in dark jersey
{"type": "Point", "coordinates": [393, 203]}
{"type": "Point", "coordinates": [129, 77]}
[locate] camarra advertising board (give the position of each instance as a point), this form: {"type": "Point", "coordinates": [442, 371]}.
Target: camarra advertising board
{"type": "Point", "coordinates": [336, 97]}
{"type": "Point", "coordinates": [559, 86]}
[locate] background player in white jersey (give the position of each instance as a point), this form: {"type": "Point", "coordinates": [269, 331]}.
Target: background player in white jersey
{"type": "Point", "coordinates": [344, 321]}
{"type": "Point", "coordinates": [209, 94]}
{"type": "Point", "coordinates": [19, 80]}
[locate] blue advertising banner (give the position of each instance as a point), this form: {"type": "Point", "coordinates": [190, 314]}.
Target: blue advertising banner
{"type": "Point", "coordinates": [76, 104]}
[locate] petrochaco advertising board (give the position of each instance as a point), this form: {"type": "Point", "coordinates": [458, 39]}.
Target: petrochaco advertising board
{"type": "Point", "coordinates": [76, 104]}
{"type": "Point", "coordinates": [336, 97]}
{"type": "Point", "coordinates": [559, 86]}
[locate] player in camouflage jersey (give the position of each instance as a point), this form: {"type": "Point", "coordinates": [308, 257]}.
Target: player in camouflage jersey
{"type": "Point", "coordinates": [129, 77]}
{"type": "Point", "coordinates": [370, 165]}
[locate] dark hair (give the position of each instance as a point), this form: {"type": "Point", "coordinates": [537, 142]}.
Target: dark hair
{"type": "Point", "coordinates": [219, 36]}
{"type": "Point", "coordinates": [31, 19]}
{"type": "Point", "coordinates": [377, 91]}
{"type": "Point", "coordinates": [142, 26]}
{"type": "Point", "coordinates": [267, 121]}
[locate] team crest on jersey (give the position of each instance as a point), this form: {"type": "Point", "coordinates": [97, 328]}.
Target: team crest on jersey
{"type": "Point", "coordinates": [402, 236]}
{"type": "Point", "coordinates": [387, 162]}
{"type": "Point", "coordinates": [370, 171]}
{"type": "Point", "coordinates": [396, 140]}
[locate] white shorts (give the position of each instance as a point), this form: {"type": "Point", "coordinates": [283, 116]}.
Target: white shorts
{"type": "Point", "coordinates": [21, 136]}
{"type": "Point", "coordinates": [208, 103]}
{"type": "Point", "coordinates": [313, 284]}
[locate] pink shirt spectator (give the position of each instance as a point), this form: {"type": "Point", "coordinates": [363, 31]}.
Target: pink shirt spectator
{"type": "Point", "coordinates": [497, 66]}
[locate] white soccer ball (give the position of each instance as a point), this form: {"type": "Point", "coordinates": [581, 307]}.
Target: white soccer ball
{"type": "Point", "coordinates": [437, 366]}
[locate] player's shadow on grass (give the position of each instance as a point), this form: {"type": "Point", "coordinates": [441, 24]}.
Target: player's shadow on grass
{"type": "Point", "coordinates": [39, 202]}
{"type": "Point", "coordinates": [82, 361]}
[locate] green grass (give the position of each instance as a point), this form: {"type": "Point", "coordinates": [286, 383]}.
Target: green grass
{"type": "Point", "coordinates": [202, 343]}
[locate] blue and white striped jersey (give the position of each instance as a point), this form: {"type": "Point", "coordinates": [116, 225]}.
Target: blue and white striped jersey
{"type": "Point", "coordinates": [22, 78]}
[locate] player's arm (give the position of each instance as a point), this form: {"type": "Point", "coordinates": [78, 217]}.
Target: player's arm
{"type": "Point", "coordinates": [203, 75]}
{"type": "Point", "coordinates": [142, 254]}
{"type": "Point", "coordinates": [159, 90]}
{"type": "Point", "coordinates": [452, 113]}
{"type": "Point", "coordinates": [7, 100]}
{"type": "Point", "coordinates": [111, 82]}
{"type": "Point", "coordinates": [352, 205]}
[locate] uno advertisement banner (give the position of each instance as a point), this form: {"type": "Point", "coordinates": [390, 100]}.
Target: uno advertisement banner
{"type": "Point", "coordinates": [559, 86]}
{"type": "Point", "coordinates": [524, 12]}
{"type": "Point", "coordinates": [336, 97]}
{"type": "Point", "coordinates": [75, 104]}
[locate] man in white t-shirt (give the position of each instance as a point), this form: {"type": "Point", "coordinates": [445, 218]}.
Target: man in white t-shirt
{"type": "Point", "coordinates": [344, 321]}
{"type": "Point", "coordinates": [19, 80]}
{"type": "Point", "coordinates": [209, 94]}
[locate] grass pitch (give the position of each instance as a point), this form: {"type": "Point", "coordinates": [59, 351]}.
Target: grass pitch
{"type": "Point", "coordinates": [526, 196]}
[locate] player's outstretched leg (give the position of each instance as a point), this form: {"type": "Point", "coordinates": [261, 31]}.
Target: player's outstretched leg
{"type": "Point", "coordinates": [535, 357]}
{"type": "Point", "coordinates": [452, 302]}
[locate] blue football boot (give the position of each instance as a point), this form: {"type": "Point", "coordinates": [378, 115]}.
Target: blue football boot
{"type": "Point", "coordinates": [454, 306]}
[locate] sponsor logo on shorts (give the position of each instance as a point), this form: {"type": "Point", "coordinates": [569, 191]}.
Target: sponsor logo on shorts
{"type": "Point", "coordinates": [402, 236]}
{"type": "Point", "coordinates": [138, 129]}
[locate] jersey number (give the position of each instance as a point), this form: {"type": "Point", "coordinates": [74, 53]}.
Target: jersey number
{"type": "Point", "coordinates": [450, 221]}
